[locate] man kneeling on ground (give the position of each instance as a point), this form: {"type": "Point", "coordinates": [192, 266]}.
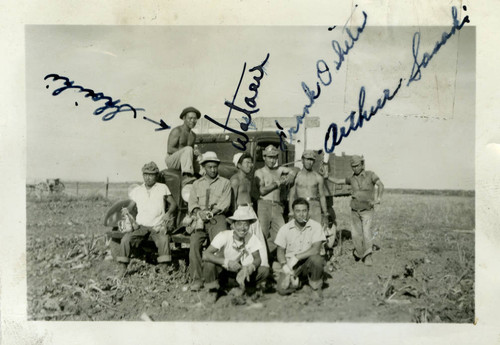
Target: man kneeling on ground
{"type": "Point", "coordinates": [233, 257]}
{"type": "Point", "coordinates": [298, 247]}
{"type": "Point", "coordinates": [152, 220]}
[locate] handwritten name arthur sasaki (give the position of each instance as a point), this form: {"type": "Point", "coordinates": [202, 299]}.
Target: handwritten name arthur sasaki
{"type": "Point", "coordinates": [112, 106]}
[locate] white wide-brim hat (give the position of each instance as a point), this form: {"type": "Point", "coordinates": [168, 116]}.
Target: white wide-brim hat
{"type": "Point", "coordinates": [242, 213]}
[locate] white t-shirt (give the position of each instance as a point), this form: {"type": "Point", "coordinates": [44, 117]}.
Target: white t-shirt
{"type": "Point", "coordinates": [150, 204]}
{"type": "Point", "coordinates": [233, 248]}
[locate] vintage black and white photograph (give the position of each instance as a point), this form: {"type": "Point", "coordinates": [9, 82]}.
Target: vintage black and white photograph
{"type": "Point", "coordinates": [252, 173]}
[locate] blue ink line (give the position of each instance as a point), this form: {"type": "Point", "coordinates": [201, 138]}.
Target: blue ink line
{"type": "Point", "coordinates": [235, 94]}
{"type": "Point", "coordinates": [321, 68]}
{"type": "Point", "coordinates": [416, 74]}
{"type": "Point", "coordinates": [162, 124]}
{"type": "Point", "coordinates": [242, 143]}
{"type": "Point", "coordinates": [110, 103]}
{"type": "Point", "coordinates": [363, 115]}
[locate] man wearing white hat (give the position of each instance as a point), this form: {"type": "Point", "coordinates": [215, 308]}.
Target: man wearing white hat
{"type": "Point", "coordinates": [209, 200]}
{"type": "Point", "coordinates": [241, 184]}
{"type": "Point", "coordinates": [234, 256]}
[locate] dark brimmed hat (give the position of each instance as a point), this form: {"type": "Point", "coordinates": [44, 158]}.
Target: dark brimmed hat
{"type": "Point", "coordinates": [150, 168]}
{"type": "Point", "coordinates": [190, 110]}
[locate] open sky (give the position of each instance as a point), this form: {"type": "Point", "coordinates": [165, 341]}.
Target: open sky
{"type": "Point", "coordinates": [423, 138]}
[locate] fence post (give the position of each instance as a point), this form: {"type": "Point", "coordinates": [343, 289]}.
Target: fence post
{"type": "Point", "coordinates": [107, 186]}
{"type": "Point", "coordinates": [77, 189]}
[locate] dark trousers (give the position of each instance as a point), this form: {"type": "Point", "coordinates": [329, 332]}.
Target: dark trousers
{"type": "Point", "coordinates": [197, 240]}
{"type": "Point", "coordinates": [216, 276]}
{"type": "Point", "coordinates": [311, 268]}
{"type": "Point", "coordinates": [135, 238]}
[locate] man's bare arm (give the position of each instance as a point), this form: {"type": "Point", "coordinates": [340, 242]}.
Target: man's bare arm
{"type": "Point", "coordinates": [235, 183]}
{"type": "Point", "coordinates": [263, 189]}
{"type": "Point", "coordinates": [380, 191]}
{"type": "Point", "coordinates": [337, 180]}
{"type": "Point", "coordinates": [321, 192]}
{"type": "Point", "coordinates": [173, 140]}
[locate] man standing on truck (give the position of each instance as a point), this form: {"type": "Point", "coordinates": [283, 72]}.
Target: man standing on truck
{"type": "Point", "coordinates": [209, 200]}
{"type": "Point", "coordinates": [363, 200]}
{"type": "Point", "coordinates": [152, 221]}
{"type": "Point", "coordinates": [268, 179]}
{"type": "Point", "coordinates": [310, 185]}
{"type": "Point", "coordinates": [180, 147]}
{"type": "Point", "coordinates": [241, 183]}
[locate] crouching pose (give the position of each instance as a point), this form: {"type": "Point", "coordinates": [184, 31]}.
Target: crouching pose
{"type": "Point", "coordinates": [299, 242]}
{"type": "Point", "coordinates": [233, 257]}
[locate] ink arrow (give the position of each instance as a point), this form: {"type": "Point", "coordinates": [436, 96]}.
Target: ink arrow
{"type": "Point", "coordinates": [161, 123]}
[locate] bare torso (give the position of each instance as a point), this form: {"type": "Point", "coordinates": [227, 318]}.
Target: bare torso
{"type": "Point", "coordinates": [242, 187]}
{"type": "Point", "coordinates": [266, 177]}
{"type": "Point", "coordinates": [307, 184]}
{"type": "Point", "coordinates": [179, 138]}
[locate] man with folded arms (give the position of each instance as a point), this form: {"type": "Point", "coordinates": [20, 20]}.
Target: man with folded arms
{"type": "Point", "coordinates": [152, 221]}
{"type": "Point", "coordinates": [299, 243]}
{"type": "Point", "coordinates": [209, 200]}
{"type": "Point", "coordinates": [268, 180]}
{"type": "Point", "coordinates": [233, 257]}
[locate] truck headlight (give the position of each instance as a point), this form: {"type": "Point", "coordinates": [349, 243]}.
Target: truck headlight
{"type": "Point", "coordinates": [185, 191]}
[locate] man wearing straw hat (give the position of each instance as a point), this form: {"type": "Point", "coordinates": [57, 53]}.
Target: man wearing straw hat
{"type": "Point", "coordinates": [209, 200]}
{"type": "Point", "coordinates": [180, 145]}
{"type": "Point", "coordinates": [363, 200]}
{"type": "Point", "coordinates": [241, 183]}
{"type": "Point", "coordinates": [151, 220]}
{"type": "Point", "coordinates": [233, 257]}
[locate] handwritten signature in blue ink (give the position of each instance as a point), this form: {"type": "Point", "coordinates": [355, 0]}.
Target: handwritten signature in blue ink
{"type": "Point", "coordinates": [416, 73]}
{"type": "Point", "coordinates": [96, 97]}
{"type": "Point", "coordinates": [335, 135]}
{"type": "Point", "coordinates": [251, 124]}
{"type": "Point", "coordinates": [321, 69]}
{"type": "Point", "coordinates": [251, 102]}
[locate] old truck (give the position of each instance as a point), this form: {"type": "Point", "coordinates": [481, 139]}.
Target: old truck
{"type": "Point", "coordinates": [221, 143]}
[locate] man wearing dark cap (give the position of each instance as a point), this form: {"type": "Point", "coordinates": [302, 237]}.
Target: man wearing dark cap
{"type": "Point", "coordinates": [152, 220]}
{"type": "Point", "coordinates": [209, 200]}
{"type": "Point", "coordinates": [181, 140]}
{"type": "Point", "coordinates": [363, 200]}
{"type": "Point", "coordinates": [268, 180]}
{"type": "Point", "coordinates": [310, 185]}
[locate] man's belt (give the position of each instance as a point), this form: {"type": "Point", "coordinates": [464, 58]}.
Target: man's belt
{"type": "Point", "coordinates": [312, 199]}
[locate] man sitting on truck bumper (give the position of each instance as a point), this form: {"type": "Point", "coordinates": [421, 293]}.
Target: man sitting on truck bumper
{"type": "Point", "coordinates": [152, 220]}
{"type": "Point", "coordinates": [209, 200]}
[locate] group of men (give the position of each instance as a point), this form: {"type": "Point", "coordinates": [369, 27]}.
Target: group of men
{"type": "Point", "coordinates": [243, 243]}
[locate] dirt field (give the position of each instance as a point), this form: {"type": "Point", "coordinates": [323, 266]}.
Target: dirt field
{"type": "Point", "coordinates": [423, 272]}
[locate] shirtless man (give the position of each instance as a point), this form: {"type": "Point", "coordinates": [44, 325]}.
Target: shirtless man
{"type": "Point", "coordinates": [180, 145]}
{"type": "Point", "coordinates": [270, 210]}
{"type": "Point", "coordinates": [241, 184]}
{"type": "Point", "coordinates": [309, 185]}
